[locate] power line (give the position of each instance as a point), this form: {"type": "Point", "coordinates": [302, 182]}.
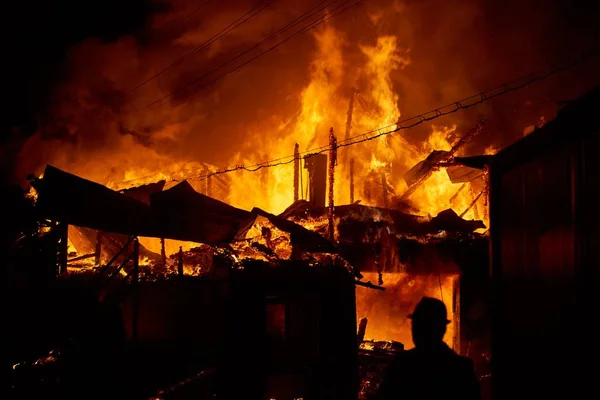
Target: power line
{"type": "Point", "coordinates": [467, 102]}
{"type": "Point", "coordinates": [181, 21]}
{"type": "Point", "coordinates": [195, 10]}
{"type": "Point", "coordinates": [223, 32]}
{"type": "Point", "coordinates": [330, 14]}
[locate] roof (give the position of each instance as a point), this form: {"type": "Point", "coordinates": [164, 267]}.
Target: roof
{"type": "Point", "coordinates": [68, 198]}
{"type": "Point", "coordinates": [178, 213]}
{"type": "Point", "coordinates": [446, 220]}
{"type": "Point", "coordinates": [577, 120]}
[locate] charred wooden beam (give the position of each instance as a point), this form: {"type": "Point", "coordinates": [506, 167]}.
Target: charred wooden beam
{"type": "Point", "coordinates": [486, 191]}
{"type": "Point", "coordinates": [471, 205]}
{"type": "Point", "coordinates": [180, 262]}
{"type": "Point", "coordinates": [332, 164]}
{"type": "Point", "coordinates": [79, 258]}
{"type": "Point", "coordinates": [296, 170]}
{"type": "Point", "coordinates": [136, 293]}
{"type": "Point", "coordinates": [455, 195]}
{"type": "Point", "coordinates": [121, 266]}
{"type": "Point", "coordinates": [362, 329]}
{"type": "Point", "coordinates": [163, 252]}
{"type": "Point", "coordinates": [114, 258]}
{"type": "Point", "coordinates": [352, 181]}
{"type": "Point", "coordinates": [448, 156]}
{"type": "Point", "coordinates": [369, 285]}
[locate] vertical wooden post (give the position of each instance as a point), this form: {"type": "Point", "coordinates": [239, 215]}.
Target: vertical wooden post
{"type": "Point", "coordinates": [362, 329]}
{"type": "Point", "coordinates": [332, 164]}
{"type": "Point", "coordinates": [486, 192]}
{"type": "Point", "coordinates": [302, 191]}
{"type": "Point", "coordinates": [136, 293]}
{"type": "Point", "coordinates": [163, 251]}
{"type": "Point", "coordinates": [98, 250]}
{"type": "Point", "coordinates": [180, 262]}
{"type": "Point", "coordinates": [456, 313]}
{"type": "Point", "coordinates": [296, 170]}
{"type": "Point", "coordinates": [352, 181]}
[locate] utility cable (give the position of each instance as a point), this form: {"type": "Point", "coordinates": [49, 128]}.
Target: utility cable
{"type": "Point", "coordinates": [330, 14]}
{"type": "Point", "coordinates": [299, 19]}
{"type": "Point", "coordinates": [224, 32]}
{"type": "Point", "coordinates": [195, 10]}
{"type": "Point", "coordinates": [467, 102]}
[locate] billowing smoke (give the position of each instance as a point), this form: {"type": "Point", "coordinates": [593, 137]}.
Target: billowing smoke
{"type": "Point", "coordinates": [99, 128]}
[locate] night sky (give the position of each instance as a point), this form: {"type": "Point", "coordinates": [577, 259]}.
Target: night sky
{"type": "Point", "coordinates": [38, 35]}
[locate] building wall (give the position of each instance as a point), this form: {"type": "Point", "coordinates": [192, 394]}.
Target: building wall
{"type": "Point", "coordinates": [543, 246]}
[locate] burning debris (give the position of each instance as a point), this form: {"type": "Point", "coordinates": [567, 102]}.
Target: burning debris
{"type": "Point", "coordinates": [178, 213]}
{"type": "Point", "coordinates": [181, 213]}
{"type": "Point", "coordinates": [409, 255]}
{"type": "Point", "coordinates": [405, 235]}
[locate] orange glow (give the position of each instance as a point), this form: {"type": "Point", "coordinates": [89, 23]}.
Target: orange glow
{"type": "Point", "coordinates": [387, 311]}
{"type": "Point", "coordinates": [324, 102]}
{"type": "Point", "coordinates": [323, 107]}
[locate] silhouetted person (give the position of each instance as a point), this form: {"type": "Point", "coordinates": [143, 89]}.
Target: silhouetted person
{"type": "Point", "coordinates": [431, 370]}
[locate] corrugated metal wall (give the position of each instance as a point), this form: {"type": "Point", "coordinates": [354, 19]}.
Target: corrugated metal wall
{"type": "Point", "coordinates": [544, 243]}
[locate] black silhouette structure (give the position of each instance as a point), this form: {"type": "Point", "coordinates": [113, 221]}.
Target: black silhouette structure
{"type": "Point", "coordinates": [431, 370]}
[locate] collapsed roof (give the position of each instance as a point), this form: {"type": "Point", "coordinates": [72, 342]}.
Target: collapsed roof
{"type": "Point", "coordinates": [178, 213]}
{"type": "Point", "coordinates": [447, 220]}
{"type": "Point", "coordinates": [181, 213]}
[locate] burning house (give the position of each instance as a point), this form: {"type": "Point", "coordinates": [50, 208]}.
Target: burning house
{"type": "Point", "coordinates": [273, 259]}
{"type": "Point", "coordinates": [281, 304]}
{"type": "Point", "coordinates": [392, 258]}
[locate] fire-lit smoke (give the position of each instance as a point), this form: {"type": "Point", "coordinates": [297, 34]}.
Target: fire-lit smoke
{"type": "Point", "coordinates": [402, 57]}
{"type": "Point", "coordinates": [387, 312]}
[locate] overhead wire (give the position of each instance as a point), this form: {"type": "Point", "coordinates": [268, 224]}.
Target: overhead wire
{"type": "Point", "coordinates": [182, 20]}
{"type": "Point", "coordinates": [248, 15]}
{"type": "Point", "coordinates": [302, 18]}
{"type": "Point", "coordinates": [467, 102]}
{"type": "Point", "coordinates": [195, 10]}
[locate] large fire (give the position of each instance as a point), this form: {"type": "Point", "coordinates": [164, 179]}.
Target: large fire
{"type": "Point", "coordinates": [387, 312]}
{"type": "Point", "coordinates": [322, 107]}
{"type": "Point", "coordinates": [326, 101]}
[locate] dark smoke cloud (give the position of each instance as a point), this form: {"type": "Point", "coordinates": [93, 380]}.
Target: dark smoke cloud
{"type": "Point", "coordinates": [457, 48]}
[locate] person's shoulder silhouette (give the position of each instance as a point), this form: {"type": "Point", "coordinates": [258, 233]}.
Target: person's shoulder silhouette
{"type": "Point", "coordinates": [431, 370]}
